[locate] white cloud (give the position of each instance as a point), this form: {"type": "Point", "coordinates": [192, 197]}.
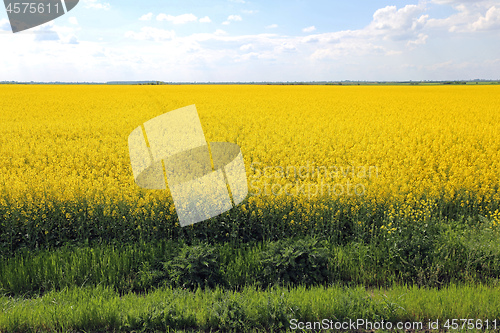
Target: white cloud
{"type": "Point", "coordinates": [179, 19]}
{"type": "Point", "coordinates": [439, 65]}
{"type": "Point", "coordinates": [50, 60]}
{"type": "Point", "coordinates": [422, 39]}
{"type": "Point", "coordinates": [309, 29]}
{"type": "Point", "coordinates": [470, 16]}
{"type": "Point", "coordinates": [151, 33]}
{"type": "Point", "coordinates": [237, 1]}
{"type": "Point", "coordinates": [399, 21]}
{"type": "Point", "coordinates": [491, 20]}
{"type": "Point", "coordinates": [393, 52]}
{"type": "Point", "coordinates": [73, 40]}
{"type": "Point", "coordinates": [50, 32]}
{"type": "Point", "coordinates": [453, 23]}
{"type": "Point", "coordinates": [246, 47]}
{"type": "Point", "coordinates": [234, 18]}
{"type": "Point", "coordinates": [4, 25]}
{"type": "Point", "coordinates": [220, 32]}
{"type": "Point", "coordinates": [222, 36]}
{"type": "Point", "coordinates": [45, 33]}
{"type": "Point", "coordinates": [391, 31]}
{"type": "Point", "coordinates": [96, 4]}
{"type": "Point", "coordinates": [350, 49]}
{"type": "Point", "coordinates": [249, 11]}
{"type": "Point", "coordinates": [272, 26]}
{"type": "Point", "coordinates": [253, 56]}
{"type": "Point", "coordinates": [205, 19]}
{"type": "Point", "coordinates": [73, 20]}
{"type": "Point", "coordinates": [286, 46]}
{"type": "Point", "coordinates": [146, 17]}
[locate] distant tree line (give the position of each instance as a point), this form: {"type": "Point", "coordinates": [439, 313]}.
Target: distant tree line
{"type": "Point", "coordinates": [153, 83]}
{"type": "Point", "coordinates": [455, 82]}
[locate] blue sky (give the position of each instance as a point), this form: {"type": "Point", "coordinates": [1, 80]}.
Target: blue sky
{"type": "Point", "coordinates": [255, 40]}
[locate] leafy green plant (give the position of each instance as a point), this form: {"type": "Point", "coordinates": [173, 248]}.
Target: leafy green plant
{"type": "Point", "coordinates": [296, 262]}
{"type": "Point", "coordinates": [195, 266]}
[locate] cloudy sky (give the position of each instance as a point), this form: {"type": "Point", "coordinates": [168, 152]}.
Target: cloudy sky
{"type": "Point", "coordinates": [258, 40]}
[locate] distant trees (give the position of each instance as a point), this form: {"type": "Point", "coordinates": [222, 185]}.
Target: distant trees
{"type": "Point", "coordinates": [454, 82]}
{"type": "Point", "coordinates": [152, 83]}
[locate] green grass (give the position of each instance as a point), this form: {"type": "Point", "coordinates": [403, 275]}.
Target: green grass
{"type": "Point", "coordinates": [102, 309]}
{"type": "Point", "coordinates": [64, 270]}
{"type": "Point", "coordinates": [453, 254]}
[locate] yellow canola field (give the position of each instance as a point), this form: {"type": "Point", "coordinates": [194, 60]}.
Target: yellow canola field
{"type": "Point", "coordinates": [353, 144]}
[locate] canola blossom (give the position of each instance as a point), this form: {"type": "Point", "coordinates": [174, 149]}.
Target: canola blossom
{"type": "Point", "coordinates": [314, 155]}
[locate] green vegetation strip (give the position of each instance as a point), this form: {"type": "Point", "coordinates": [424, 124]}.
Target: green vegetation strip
{"type": "Point", "coordinates": [277, 308]}
{"type": "Point", "coordinates": [456, 255]}
{"type": "Point", "coordinates": [43, 223]}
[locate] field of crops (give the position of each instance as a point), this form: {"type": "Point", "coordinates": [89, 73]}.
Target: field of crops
{"type": "Point", "coordinates": [382, 185]}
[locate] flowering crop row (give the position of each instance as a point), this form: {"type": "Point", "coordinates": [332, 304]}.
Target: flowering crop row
{"type": "Point", "coordinates": [345, 160]}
